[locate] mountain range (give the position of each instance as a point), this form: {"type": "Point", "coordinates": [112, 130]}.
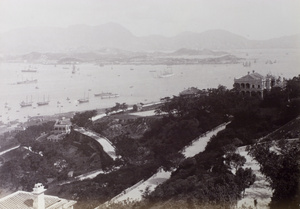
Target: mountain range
{"type": "Point", "coordinates": [84, 38]}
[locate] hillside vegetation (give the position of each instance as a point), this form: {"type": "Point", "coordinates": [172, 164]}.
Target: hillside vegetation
{"type": "Point", "coordinates": [206, 180]}
{"type": "Point", "coordinates": [212, 179]}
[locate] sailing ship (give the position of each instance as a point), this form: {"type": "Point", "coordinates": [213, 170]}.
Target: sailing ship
{"type": "Point", "coordinates": [106, 95]}
{"type": "Point", "coordinates": [84, 99]}
{"type": "Point", "coordinates": [247, 64]}
{"type": "Point", "coordinates": [166, 73]}
{"type": "Point", "coordinates": [26, 103]}
{"type": "Point", "coordinates": [29, 70]}
{"type": "Point", "coordinates": [44, 102]}
{"type": "Point", "coordinates": [74, 69]}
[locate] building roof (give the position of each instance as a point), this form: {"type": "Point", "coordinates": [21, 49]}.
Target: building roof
{"type": "Point", "coordinates": [63, 122]}
{"type": "Point", "coordinates": [190, 91]}
{"type": "Point", "coordinates": [24, 200]}
{"type": "Point", "coordinates": [251, 76]}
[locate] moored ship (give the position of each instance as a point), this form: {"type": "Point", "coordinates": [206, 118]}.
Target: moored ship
{"type": "Point", "coordinates": [26, 103]}
{"type": "Point", "coordinates": [107, 95]}
{"type": "Point", "coordinates": [29, 71]}
{"type": "Point", "coordinates": [167, 73]}
{"type": "Point", "coordinates": [44, 102]}
{"type": "Point", "coordinates": [83, 100]}
{"type": "Point", "coordinates": [27, 81]}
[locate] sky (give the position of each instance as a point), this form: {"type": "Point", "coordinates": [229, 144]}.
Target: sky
{"type": "Point", "coordinates": [253, 19]}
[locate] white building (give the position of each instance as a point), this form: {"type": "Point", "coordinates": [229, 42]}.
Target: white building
{"type": "Point", "coordinates": [254, 83]}
{"type": "Point", "coordinates": [62, 126]}
{"type": "Point", "coordinates": [35, 200]}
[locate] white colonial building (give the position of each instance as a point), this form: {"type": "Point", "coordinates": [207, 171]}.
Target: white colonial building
{"type": "Point", "coordinates": [254, 83]}
{"type": "Point", "coordinates": [35, 200]}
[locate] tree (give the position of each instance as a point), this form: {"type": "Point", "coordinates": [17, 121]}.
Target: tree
{"type": "Point", "coordinates": [147, 192]}
{"type": "Point", "coordinates": [83, 119]}
{"type": "Point", "coordinates": [244, 178]}
{"type": "Point", "coordinates": [293, 87]}
{"type": "Point", "coordinates": [235, 160]}
{"type": "Point", "coordinates": [123, 107]}
{"type": "Point", "coordinates": [281, 169]}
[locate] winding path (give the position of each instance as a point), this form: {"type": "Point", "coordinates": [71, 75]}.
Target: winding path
{"type": "Point", "coordinates": [260, 190]}
{"type": "Point", "coordinates": [8, 150]}
{"type": "Point", "coordinates": [135, 192]}
{"type": "Point", "coordinates": [104, 142]}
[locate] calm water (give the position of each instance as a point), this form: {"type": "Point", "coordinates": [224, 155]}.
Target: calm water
{"type": "Point", "coordinates": [133, 83]}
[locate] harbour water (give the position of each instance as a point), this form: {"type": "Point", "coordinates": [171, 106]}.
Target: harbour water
{"type": "Point", "coordinates": [134, 83]}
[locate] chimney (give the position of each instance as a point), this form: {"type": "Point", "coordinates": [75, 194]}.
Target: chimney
{"type": "Point", "coordinates": [39, 199]}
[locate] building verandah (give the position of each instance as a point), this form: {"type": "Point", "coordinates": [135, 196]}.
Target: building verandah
{"type": "Point", "coordinates": [254, 84]}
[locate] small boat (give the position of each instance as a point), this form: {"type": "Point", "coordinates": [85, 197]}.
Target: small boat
{"type": "Point", "coordinates": [27, 81]}
{"type": "Point", "coordinates": [106, 95]}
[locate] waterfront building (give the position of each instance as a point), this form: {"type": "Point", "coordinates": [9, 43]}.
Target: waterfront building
{"type": "Point", "coordinates": [254, 84]}
{"type": "Point", "coordinates": [35, 200]}
{"type": "Point", "coordinates": [62, 126]}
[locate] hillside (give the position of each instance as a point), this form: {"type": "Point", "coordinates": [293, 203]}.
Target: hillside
{"type": "Point", "coordinates": [84, 38]}
{"type": "Point", "coordinates": [213, 178]}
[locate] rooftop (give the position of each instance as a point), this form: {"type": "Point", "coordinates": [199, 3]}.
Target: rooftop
{"type": "Point", "coordinates": [190, 91]}
{"type": "Point", "coordinates": [63, 121]}
{"type": "Point", "coordinates": [24, 200]}
{"type": "Point", "coordinates": [251, 76]}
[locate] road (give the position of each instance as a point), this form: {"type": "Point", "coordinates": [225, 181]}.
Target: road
{"type": "Point", "coordinates": [104, 142]}
{"type": "Point", "coordinates": [135, 192]}
{"type": "Point", "coordinates": [5, 151]}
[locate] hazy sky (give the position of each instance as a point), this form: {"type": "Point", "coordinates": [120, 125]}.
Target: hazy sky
{"type": "Point", "coordinates": [254, 19]}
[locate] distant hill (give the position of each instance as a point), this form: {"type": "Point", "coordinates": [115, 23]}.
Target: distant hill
{"type": "Point", "coordinates": [185, 51]}
{"type": "Point", "coordinates": [84, 38]}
